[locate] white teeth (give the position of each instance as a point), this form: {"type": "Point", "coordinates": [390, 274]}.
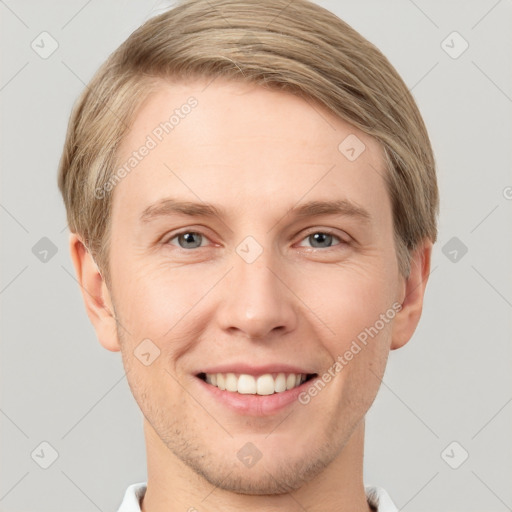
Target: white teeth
{"type": "Point", "coordinates": [245, 384]}
{"type": "Point", "coordinates": [280, 383]}
{"type": "Point", "coordinates": [290, 381]}
{"type": "Point", "coordinates": [265, 385]}
{"type": "Point", "coordinates": [231, 382]}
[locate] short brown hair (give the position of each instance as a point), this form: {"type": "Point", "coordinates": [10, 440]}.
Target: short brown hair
{"type": "Point", "coordinates": [298, 47]}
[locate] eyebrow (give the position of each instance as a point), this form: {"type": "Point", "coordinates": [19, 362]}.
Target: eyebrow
{"type": "Point", "coordinates": [171, 206]}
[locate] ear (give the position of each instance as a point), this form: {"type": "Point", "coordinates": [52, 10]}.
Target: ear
{"type": "Point", "coordinates": [95, 293]}
{"type": "Point", "coordinates": [413, 290]}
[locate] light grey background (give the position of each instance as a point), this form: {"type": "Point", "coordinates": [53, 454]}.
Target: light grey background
{"type": "Point", "coordinates": [452, 382]}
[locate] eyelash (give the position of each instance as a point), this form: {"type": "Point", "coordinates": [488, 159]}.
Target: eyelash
{"type": "Point", "coordinates": [313, 232]}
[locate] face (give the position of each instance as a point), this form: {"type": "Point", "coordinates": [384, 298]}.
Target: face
{"type": "Point", "coordinates": [249, 250]}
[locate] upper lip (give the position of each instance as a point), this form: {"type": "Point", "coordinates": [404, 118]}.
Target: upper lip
{"type": "Point", "coordinates": [255, 370]}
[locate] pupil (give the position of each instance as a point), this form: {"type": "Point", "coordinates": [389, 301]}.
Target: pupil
{"type": "Point", "coordinates": [320, 238]}
{"type": "Point", "coordinates": [189, 240]}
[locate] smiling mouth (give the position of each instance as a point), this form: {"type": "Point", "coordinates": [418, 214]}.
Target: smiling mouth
{"type": "Point", "coordinates": [265, 384]}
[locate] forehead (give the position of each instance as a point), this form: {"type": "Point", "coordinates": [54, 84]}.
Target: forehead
{"type": "Point", "coordinates": [242, 144]}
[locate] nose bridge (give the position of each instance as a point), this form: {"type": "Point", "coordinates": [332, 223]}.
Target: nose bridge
{"type": "Point", "coordinates": [257, 303]}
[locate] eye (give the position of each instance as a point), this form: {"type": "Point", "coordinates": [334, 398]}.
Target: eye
{"type": "Point", "coordinates": [322, 240]}
{"type": "Point", "coordinates": [188, 239]}
{"type": "Point", "coordinates": [315, 240]}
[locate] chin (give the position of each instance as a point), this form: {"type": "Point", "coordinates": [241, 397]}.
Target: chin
{"type": "Point", "coordinates": [266, 477]}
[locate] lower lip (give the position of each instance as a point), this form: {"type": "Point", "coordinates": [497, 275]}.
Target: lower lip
{"type": "Point", "coordinates": [255, 405]}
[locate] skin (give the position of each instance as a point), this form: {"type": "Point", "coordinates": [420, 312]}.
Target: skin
{"type": "Point", "coordinates": [256, 153]}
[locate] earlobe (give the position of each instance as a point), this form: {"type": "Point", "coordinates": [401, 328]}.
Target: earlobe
{"type": "Point", "coordinates": [97, 299]}
{"type": "Point", "coordinates": [407, 319]}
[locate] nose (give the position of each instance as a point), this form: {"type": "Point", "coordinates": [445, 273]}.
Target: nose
{"type": "Point", "coordinates": [256, 302]}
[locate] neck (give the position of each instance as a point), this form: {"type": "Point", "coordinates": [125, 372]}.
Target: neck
{"type": "Point", "coordinates": [173, 486]}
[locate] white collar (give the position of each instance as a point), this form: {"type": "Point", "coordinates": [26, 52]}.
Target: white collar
{"type": "Point", "coordinates": [376, 496]}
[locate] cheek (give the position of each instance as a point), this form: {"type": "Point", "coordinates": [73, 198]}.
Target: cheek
{"type": "Point", "coordinates": [155, 333]}
{"type": "Point", "coordinates": [349, 301]}
{"type": "Point", "coordinates": [361, 315]}
{"type": "Point", "coordinates": [167, 305]}
{"type": "Point", "coordinates": [148, 301]}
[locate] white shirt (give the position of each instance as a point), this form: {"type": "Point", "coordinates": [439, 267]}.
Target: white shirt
{"type": "Point", "coordinates": [376, 496]}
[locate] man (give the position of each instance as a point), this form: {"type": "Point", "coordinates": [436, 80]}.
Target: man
{"type": "Point", "coordinates": [252, 198]}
